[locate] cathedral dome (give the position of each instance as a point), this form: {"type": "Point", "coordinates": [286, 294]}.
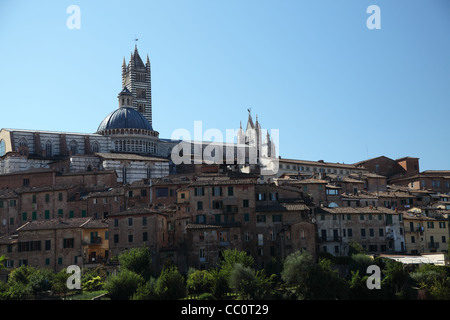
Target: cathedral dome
{"type": "Point", "coordinates": [124, 118]}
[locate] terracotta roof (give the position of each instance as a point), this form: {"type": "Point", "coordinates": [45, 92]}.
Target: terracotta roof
{"type": "Point", "coordinates": [321, 164]}
{"type": "Point", "coordinates": [54, 224]}
{"type": "Point", "coordinates": [218, 182]}
{"type": "Point", "coordinates": [282, 207]}
{"type": "Point", "coordinates": [358, 210]}
{"type": "Point", "coordinates": [202, 226]}
{"type": "Point", "coordinates": [144, 210]}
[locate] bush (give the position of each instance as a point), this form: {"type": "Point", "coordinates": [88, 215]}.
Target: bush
{"type": "Point", "coordinates": [124, 285]}
{"type": "Point", "coordinates": [170, 284]}
{"type": "Point", "coordinates": [146, 291]}
{"type": "Point", "coordinates": [199, 281]}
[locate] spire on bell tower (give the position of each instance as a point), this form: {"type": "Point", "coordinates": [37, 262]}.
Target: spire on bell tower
{"type": "Point", "coordinates": [136, 77]}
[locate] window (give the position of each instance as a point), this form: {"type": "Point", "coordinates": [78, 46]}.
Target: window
{"type": "Point", "coordinates": [95, 147]}
{"type": "Point", "coordinates": [48, 149]}
{"type": "Point", "coordinates": [116, 238]}
{"type": "Point", "coordinates": [261, 218]}
{"type": "Point", "coordinates": [246, 217]}
{"type": "Point", "coordinates": [245, 203]}
{"type": "Point", "coordinates": [48, 245]}
{"type": "Point", "coordinates": [230, 191]}
{"type": "Point", "coordinates": [199, 205]}
{"type": "Point", "coordinates": [332, 192]}
{"type": "Point", "coordinates": [144, 221]}
{"type": "Point", "coordinates": [363, 233]}
{"type": "Point", "coordinates": [73, 146]}
{"type": "Point", "coordinates": [130, 238]}
{"type": "Point", "coordinates": [350, 232]}
{"type": "Point", "coordinates": [277, 217]}
{"type": "Point", "coordinates": [202, 254]}
{"type": "Point", "coordinates": [216, 191]}
{"type": "Point", "coordinates": [217, 204]}
{"type": "Point", "coordinates": [199, 191]}
{"type": "Point", "coordinates": [2, 148]}
{"type": "Point", "coordinates": [162, 192]}
{"type": "Point", "coordinates": [68, 243]}
{"type": "Point", "coordinates": [130, 222]}
{"type": "Point", "coordinates": [260, 239]}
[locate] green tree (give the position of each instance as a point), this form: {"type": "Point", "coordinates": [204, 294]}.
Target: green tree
{"type": "Point", "coordinates": [137, 260]}
{"type": "Point", "coordinates": [242, 281]}
{"type": "Point", "coordinates": [434, 279]}
{"type": "Point", "coordinates": [232, 256]}
{"type": "Point", "coordinates": [40, 280]}
{"type": "Point", "coordinates": [170, 284]}
{"type": "Point", "coordinates": [146, 291]}
{"type": "Point", "coordinates": [59, 284]}
{"type": "Point", "coordinates": [2, 261]}
{"type": "Point", "coordinates": [219, 286]}
{"type": "Point", "coordinates": [199, 281]}
{"type": "Point", "coordinates": [123, 285]}
{"type": "Point", "coordinates": [313, 280]}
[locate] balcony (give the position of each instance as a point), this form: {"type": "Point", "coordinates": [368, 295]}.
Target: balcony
{"type": "Point", "coordinates": [93, 241]}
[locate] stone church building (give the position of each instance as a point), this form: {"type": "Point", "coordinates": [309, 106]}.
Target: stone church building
{"type": "Point", "coordinates": [125, 140]}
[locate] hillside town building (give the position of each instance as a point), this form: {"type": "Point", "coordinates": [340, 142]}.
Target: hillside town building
{"type": "Point", "coordinates": [74, 198]}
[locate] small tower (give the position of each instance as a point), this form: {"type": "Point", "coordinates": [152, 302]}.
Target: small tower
{"type": "Point", "coordinates": [125, 98]}
{"type": "Point", "coordinates": [136, 77]}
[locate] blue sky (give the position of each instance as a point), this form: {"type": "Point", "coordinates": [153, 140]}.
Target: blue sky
{"type": "Point", "coordinates": [335, 89]}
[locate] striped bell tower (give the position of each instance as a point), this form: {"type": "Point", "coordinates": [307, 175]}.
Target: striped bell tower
{"type": "Point", "coordinates": [136, 77]}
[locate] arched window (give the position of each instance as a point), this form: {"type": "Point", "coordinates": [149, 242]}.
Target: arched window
{"type": "Point", "coordinates": [95, 147]}
{"type": "Point", "coordinates": [2, 148]}
{"type": "Point", "coordinates": [333, 205]}
{"type": "Point", "coordinates": [73, 146]}
{"type": "Point", "coordinates": [49, 148]}
{"type": "Point", "coordinates": [23, 142]}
